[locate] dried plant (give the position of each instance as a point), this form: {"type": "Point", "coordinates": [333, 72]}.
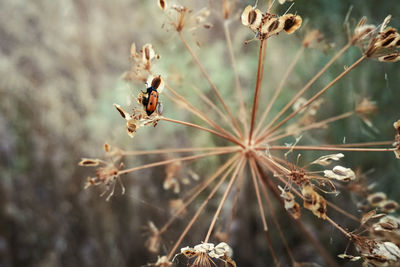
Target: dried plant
{"type": "Point", "coordinates": [255, 145]}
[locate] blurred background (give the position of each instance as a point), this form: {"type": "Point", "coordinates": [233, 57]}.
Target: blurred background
{"type": "Point", "coordinates": [61, 64]}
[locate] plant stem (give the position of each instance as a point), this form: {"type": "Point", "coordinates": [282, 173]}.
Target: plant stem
{"type": "Point", "coordinates": [209, 80]}
{"type": "Point", "coordinates": [306, 87]}
{"type": "Point", "coordinates": [236, 173]}
{"type": "Point", "coordinates": [229, 138]}
{"type": "Point", "coordinates": [312, 99]}
{"type": "Point", "coordinates": [260, 71]}
{"type": "Point", "coordinates": [165, 162]}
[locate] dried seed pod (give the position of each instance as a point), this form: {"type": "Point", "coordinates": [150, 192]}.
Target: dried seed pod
{"type": "Point", "coordinates": [388, 206]}
{"type": "Point", "coordinates": [376, 199]}
{"type": "Point", "coordinates": [272, 26]}
{"type": "Point", "coordinates": [340, 173]}
{"type": "Point", "coordinates": [327, 159]}
{"type": "Point", "coordinates": [314, 202]}
{"type": "Point", "coordinates": [156, 82]}
{"type": "Point", "coordinates": [251, 17]}
{"type": "Point", "coordinates": [171, 181]}
{"type": "Point", "coordinates": [89, 162]}
{"type": "Point", "coordinates": [290, 204]}
{"type": "Point", "coordinates": [387, 223]}
{"type": "Point", "coordinates": [393, 57]}
{"type": "Point", "coordinates": [349, 257]}
{"type": "Point", "coordinates": [162, 4]}
{"type": "Point", "coordinates": [291, 22]}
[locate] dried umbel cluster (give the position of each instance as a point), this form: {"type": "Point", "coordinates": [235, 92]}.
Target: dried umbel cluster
{"type": "Point", "coordinates": [377, 42]}
{"type": "Point", "coordinates": [141, 63]}
{"type": "Point", "coordinates": [265, 25]}
{"type": "Point", "coordinates": [139, 117]}
{"type": "Point", "coordinates": [204, 254]}
{"type": "Point", "coordinates": [254, 145]}
{"type": "Point", "coordinates": [107, 171]}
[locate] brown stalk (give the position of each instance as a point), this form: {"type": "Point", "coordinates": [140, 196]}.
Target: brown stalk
{"type": "Point", "coordinates": [229, 138]}
{"type": "Point", "coordinates": [164, 162]}
{"type": "Point", "coordinates": [260, 71]}
{"type": "Point", "coordinates": [306, 87]}
{"type": "Point", "coordinates": [261, 208]}
{"type": "Point", "coordinates": [197, 214]}
{"type": "Point", "coordinates": [194, 110]}
{"type": "Point", "coordinates": [312, 99]}
{"type": "Point", "coordinates": [236, 75]}
{"type": "Point", "coordinates": [173, 150]}
{"type": "Point", "coordinates": [274, 218]}
{"type": "Point", "coordinates": [256, 188]}
{"type": "Point", "coordinates": [209, 80]}
{"type": "Point", "coordinates": [279, 89]}
{"type": "Point", "coordinates": [214, 107]}
{"type": "Point", "coordinates": [331, 148]}
{"type": "Point", "coordinates": [199, 190]}
{"type": "Point", "coordinates": [322, 251]}
{"type": "Point", "coordinates": [312, 126]}
{"type": "Point", "coordinates": [237, 172]}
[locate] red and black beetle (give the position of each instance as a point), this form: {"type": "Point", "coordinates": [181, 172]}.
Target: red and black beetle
{"type": "Point", "coordinates": [151, 101]}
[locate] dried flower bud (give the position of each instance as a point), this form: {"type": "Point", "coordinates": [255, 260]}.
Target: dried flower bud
{"type": "Point", "coordinates": [327, 159]}
{"type": "Point", "coordinates": [162, 262]}
{"type": "Point", "coordinates": [396, 125]}
{"type": "Point", "coordinates": [175, 205]}
{"type": "Point", "coordinates": [133, 50]}
{"type": "Point", "coordinates": [340, 173]}
{"type": "Point", "coordinates": [376, 199]}
{"type": "Point", "coordinates": [314, 202]}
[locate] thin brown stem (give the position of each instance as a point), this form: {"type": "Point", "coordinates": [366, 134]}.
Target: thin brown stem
{"type": "Point", "coordinates": [274, 218]}
{"type": "Point", "coordinates": [177, 98]}
{"type": "Point", "coordinates": [312, 99]}
{"type": "Point", "coordinates": [279, 89]}
{"type": "Point", "coordinates": [337, 226]}
{"type": "Point", "coordinates": [173, 150]}
{"type": "Point", "coordinates": [345, 213]}
{"type": "Point", "coordinates": [199, 190]}
{"type": "Point", "coordinates": [239, 92]}
{"type": "Point", "coordinates": [260, 71]}
{"type": "Point", "coordinates": [165, 162]}
{"type": "Point", "coordinates": [216, 109]}
{"type": "Point", "coordinates": [229, 138]}
{"type": "Point", "coordinates": [331, 148]}
{"type": "Point", "coordinates": [314, 125]}
{"type": "Point", "coordinates": [256, 188]}
{"type": "Point", "coordinates": [300, 225]}
{"type": "Point", "coordinates": [237, 172]}
{"type": "Point", "coordinates": [197, 214]}
{"type": "Point", "coordinates": [203, 71]}
{"type": "Point", "coordinates": [306, 87]}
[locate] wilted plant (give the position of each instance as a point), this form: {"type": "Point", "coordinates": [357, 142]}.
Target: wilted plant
{"type": "Point", "coordinates": [257, 144]}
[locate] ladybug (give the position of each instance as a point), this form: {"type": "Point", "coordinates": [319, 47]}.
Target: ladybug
{"type": "Point", "coordinates": [151, 101]}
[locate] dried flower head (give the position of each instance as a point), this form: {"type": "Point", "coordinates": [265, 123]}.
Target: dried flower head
{"type": "Point", "coordinates": [379, 43]}
{"type": "Point", "coordinates": [266, 25]}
